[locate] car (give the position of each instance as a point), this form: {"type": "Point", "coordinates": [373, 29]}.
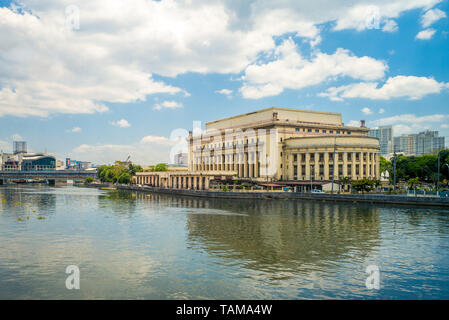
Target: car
{"type": "Point", "coordinates": [317, 191]}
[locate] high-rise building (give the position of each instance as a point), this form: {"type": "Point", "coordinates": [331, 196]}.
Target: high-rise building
{"type": "Point", "coordinates": [427, 142]}
{"type": "Point", "coordinates": [19, 147]}
{"type": "Point", "coordinates": [182, 159]}
{"type": "Point", "coordinates": [404, 144]}
{"type": "Point", "coordinates": [385, 136]}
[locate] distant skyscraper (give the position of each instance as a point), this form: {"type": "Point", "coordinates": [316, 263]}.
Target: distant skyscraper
{"type": "Point", "coordinates": [404, 143]}
{"type": "Point", "coordinates": [181, 159]}
{"type": "Point", "coordinates": [427, 142]}
{"type": "Point", "coordinates": [19, 147]}
{"type": "Point", "coordinates": [385, 136]}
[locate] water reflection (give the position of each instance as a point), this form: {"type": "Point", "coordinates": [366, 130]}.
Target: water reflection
{"type": "Point", "coordinates": [137, 245]}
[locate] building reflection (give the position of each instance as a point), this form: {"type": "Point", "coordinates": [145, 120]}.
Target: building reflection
{"type": "Point", "coordinates": [279, 235]}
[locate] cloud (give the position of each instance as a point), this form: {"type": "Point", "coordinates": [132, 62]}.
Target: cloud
{"type": "Point", "coordinates": [411, 123]}
{"type": "Point", "coordinates": [225, 92]}
{"type": "Point", "coordinates": [410, 87]}
{"type": "Point", "coordinates": [156, 139]}
{"type": "Point", "coordinates": [16, 137]}
{"type": "Point", "coordinates": [47, 68]}
{"type": "Point", "coordinates": [432, 16]}
{"type": "Point", "coordinates": [367, 111]}
{"type": "Point", "coordinates": [353, 123]}
{"type": "Point", "coordinates": [289, 70]}
{"type": "Point", "coordinates": [75, 129]}
{"type": "Point", "coordinates": [121, 123]}
{"type": "Point", "coordinates": [149, 150]}
{"type": "Point", "coordinates": [390, 26]}
{"type": "Point", "coordinates": [167, 105]}
{"type": "Point", "coordinates": [425, 34]}
{"type": "Point", "coordinates": [381, 111]}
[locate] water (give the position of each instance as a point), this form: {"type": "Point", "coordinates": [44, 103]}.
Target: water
{"type": "Point", "coordinates": [148, 246]}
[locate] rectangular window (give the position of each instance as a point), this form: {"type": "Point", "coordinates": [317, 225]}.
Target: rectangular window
{"type": "Point", "coordinates": [309, 130]}
{"type": "Point", "coordinates": [316, 130]}
{"type": "Point", "coordinates": [324, 131]}
{"type": "Point", "coordinates": [295, 157]}
{"type": "Point", "coordinates": [297, 129]}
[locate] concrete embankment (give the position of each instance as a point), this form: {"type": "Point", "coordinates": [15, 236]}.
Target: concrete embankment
{"type": "Point", "coordinates": [366, 198]}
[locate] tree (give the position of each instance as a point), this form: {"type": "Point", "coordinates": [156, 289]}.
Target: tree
{"type": "Point", "coordinates": [363, 185]}
{"type": "Point", "coordinates": [413, 183]}
{"type": "Point", "coordinates": [124, 178]}
{"type": "Point", "coordinates": [161, 167]}
{"type": "Point", "coordinates": [345, 181]}
{"type": "Point", "coordinates": [89, 180]}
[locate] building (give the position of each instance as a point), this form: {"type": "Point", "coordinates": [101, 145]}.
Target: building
{"type": "Point", "coordinates": [418, 144]}
{"type": "Point", "coordinates": [76, 165]}
{"type": "Point", "coordinates": [19, 147]}
{"type": "Point", "coordinates": [290, 147]}
{"type": "Point", "coordinates": [27, 162]}
{"type": "Point", "coordinates": [427, 142]}
{"type": "Point", "coordinates": [181, 159]}
{"type": "Point", "coordinates": [404, 144]}
{"type": "Point", "coordinates": [385, 136]}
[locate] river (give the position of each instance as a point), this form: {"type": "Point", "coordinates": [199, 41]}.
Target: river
{"type": "Point", "coordinates": [132, 245]}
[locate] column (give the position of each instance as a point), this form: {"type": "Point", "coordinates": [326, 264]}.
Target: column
{"type": "Point", "coordinates": [317, 166]}
{"type": "Point", "coordinates": [290, 167]}
{"type": "Point", "coordinates": [245, 164]}
{"type": "Point", "coordinates": [308, 166]}
{"type": "Point", "coordinates": [300, 164]}
{"type": "Point", "coordinates": [378, 166]}
{"type": "Point", "coordinates": [326, 166]}
{"type": "Point", "coordinates": [345, 164]}
{"type": "Point", "coordinates": [362, 163]}
{"type": "Point", "coordinates": [353, 167]}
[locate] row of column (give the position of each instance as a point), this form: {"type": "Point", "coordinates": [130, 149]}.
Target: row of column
{"type": "Point", "coordinates": [246, 165]}
{"type": "Point", "coordinates": [194, 182]}
{"type": "Point", "coordinates": [368, 167]}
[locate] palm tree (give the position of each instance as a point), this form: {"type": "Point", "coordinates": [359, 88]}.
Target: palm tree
{"type": "Point", "coordinates": [345, 181]}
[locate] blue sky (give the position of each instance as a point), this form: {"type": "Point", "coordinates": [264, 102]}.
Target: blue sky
{"type": "Point", "coordinates": [119, 82]}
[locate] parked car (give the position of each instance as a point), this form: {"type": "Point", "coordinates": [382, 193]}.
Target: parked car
{"type": "Point", "coordinates": [317, 191]}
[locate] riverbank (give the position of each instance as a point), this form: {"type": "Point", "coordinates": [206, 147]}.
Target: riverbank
{"type": "Point", "coordinates": [366, 198]}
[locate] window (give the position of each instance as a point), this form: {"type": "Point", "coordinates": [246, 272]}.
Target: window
{"type": "Point", "coordinates": [297, 129]}
{"type": "Point", "coordinates": [338, 131]}
{"type": "Point", "coordinates": [331, 131]}
{"type": "Point", "coordinates": [349, 132]}
{"type": "Point", "coordinates": [324, 131]}
{"type": "Point", "coordinates": [295, 157]}
{"type": "Point", "coordinates": [309, 130]}
{"type": "Point", "coordinates": [316, 130]}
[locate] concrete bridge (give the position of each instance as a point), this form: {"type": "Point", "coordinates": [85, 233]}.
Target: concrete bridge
{"type": "Point", "coordinates": [50, 176]}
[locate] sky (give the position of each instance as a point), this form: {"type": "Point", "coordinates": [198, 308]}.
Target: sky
{"type": "Point", "coordinates": [103, 80]}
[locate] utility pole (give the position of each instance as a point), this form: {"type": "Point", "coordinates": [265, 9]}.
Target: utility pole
{"type": "Point", "coordinates": [438, 179]}
{"type": "Point", "coordinates": [394, 171]}
{"type": "Point", "coordinates": [333, 165]}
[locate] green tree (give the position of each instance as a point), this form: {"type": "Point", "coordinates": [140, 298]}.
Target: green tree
{"type": "Point", "coordinates": [345, 181]}
{"type": "Point", "coordinates": [89, 180]}
{"type": "Point", "coordinates": [161, 167]}
{"type": "Point", "coordinates": [413, 183]}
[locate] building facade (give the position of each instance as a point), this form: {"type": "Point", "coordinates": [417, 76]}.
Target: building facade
{"type": "Point", "coordinates": [385, 136]}
{"type": "Point", "coordinates": [289, 146]}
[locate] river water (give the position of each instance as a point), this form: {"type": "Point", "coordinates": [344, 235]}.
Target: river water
{"type": "Point", "coordinates": [131, 245]}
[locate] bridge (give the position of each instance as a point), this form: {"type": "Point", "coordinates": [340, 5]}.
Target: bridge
{"type": "Point", "coordinates": [50, 176]}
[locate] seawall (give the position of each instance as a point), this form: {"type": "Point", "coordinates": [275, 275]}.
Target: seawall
{"type": "Point", "coordinates": [366, 198]}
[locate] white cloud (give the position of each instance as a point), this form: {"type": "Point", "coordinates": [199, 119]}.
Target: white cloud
{"type": "Point", "coordinates": [381, 111]}
{"type": "Point", "coordinates": [425, 34]}
{"type": "Point", "coordinates": [46, 68]}
{"type": "Point", "coordinates": [225, 92]}
{"type": "Point", "coordinates": [411, 123]}
{"type": "Point", "coordinates": [16, 137]}
{"type": "Point", "coordinates": [156, 139]}
{"type": "Point", "coordinates": [149, 150]}
{"type": "Point", "coordinates": [76, 129]}
{"type": "Point", "coordinates": [289, 70]}
{"type": "Point", "coordinates": [445, 126]}
{"type": "Point", "coordinates": [353, 123]}
{"type": "Point", "coordinates": [121, 123]}
{"type": "Point", "coordinates": [367, 111]}
{"type": "Point", "coordinates": [432, 16]}
{"type": "Point", "coordinates": [167, 105]}
{"type": "Point", "coordinates": [410, 87]}
{"type": "Point", "coordinates": [390, 26]}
